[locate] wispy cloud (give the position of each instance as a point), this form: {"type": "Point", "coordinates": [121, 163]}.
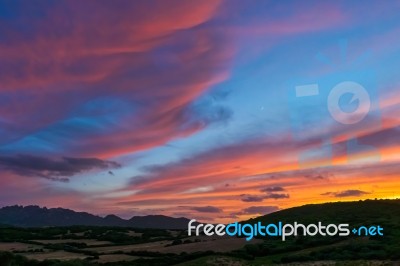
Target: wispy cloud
{"type": "Point", "coordinates": [53, 169]}
{"type": "Point", "coordinates": [252, 198]}
{"type": "Point", "coordinates": [346, 193]}
{"type": "Point", "coordinates": [208, 209]}
{"type": "Point", "coordinates": [272, 189]}
{"type": "Point", "coordinates": [259, 198]}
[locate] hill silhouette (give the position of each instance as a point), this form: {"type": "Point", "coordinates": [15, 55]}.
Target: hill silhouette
{"type": "Point", "coordinates": [355, 213]}
{"type": "Point", "coordinates": [35, 216]}
{"type": "Point", "coordinates": [383, 212]}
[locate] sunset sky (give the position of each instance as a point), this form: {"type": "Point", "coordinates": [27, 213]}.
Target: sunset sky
{"type": "Point", "coordinates": [189, 108]}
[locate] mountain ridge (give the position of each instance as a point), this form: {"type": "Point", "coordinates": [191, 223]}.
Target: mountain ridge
{"type": "Point", "coordinates": [36, 216]}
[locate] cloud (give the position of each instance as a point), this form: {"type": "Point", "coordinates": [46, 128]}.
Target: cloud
{"type": "Point", "coordinates": [259, 210]}
{"type": "Point", "coordinates": [53, 169]}
{"type": "Point", "coordinates": [276, 196]}
{"type": "Point", "coordinates": [199, 190]}
{"type": "Point", "coordinates": [252, 198]}
{"type": "Point", "coordinates": [317, 173]}
{"type": "Point", "coordinates": [208, 209]}
{"type": "Point", "coordinates": [76, 49]}
{"type": "Point", "coordinates": [210, 111]}
{"type": "Point", "coordinates": [346, 193]}
{"type": "Point", "coordinates": [315, 176]}
{"type": "Point", "coordinates": [208, 164]}
{"type": "Point", "coordinates": [259, 198]}
{"type": "Point", "coordinates": [139, 76]}
{"type": "Point", "coordinates": [272, 189]}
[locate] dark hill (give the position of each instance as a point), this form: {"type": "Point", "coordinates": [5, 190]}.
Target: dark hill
{"type": "Point", "coordinates": [300, 249]}
{"type": "Point", "coordinates": [35, 216]}
{"type": "Point", "coordinates": [355, 213]}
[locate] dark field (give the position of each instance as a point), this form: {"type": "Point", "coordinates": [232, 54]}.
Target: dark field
{"type": "Point", "coordinates": [90, 245]}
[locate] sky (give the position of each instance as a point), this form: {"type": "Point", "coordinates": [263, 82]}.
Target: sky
{"type": "Point", "coordinates": [213, 110]}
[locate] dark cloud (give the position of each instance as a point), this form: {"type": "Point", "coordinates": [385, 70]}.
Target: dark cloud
{"type": "Point", "coordinates": [259, 198]}
{"type": "Point", "coordinates": [345, 193]}
{"type": "Point", "coordinates": [220, 94]}
{"type": "Point", "coordinates": [252, 198]}
{"type": "Point", "coordinates": [276, 196]}
{"type": "Point", "coordinates": [209, 209]}
{"type": "Point", "coordinates": [208, 113]}
{"type": "Point", "coordinates": [382, 138]}
{"type": "Point", "coordinates": [272, 189]}
{"type": "Point", "coordinates": [53, 169]}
